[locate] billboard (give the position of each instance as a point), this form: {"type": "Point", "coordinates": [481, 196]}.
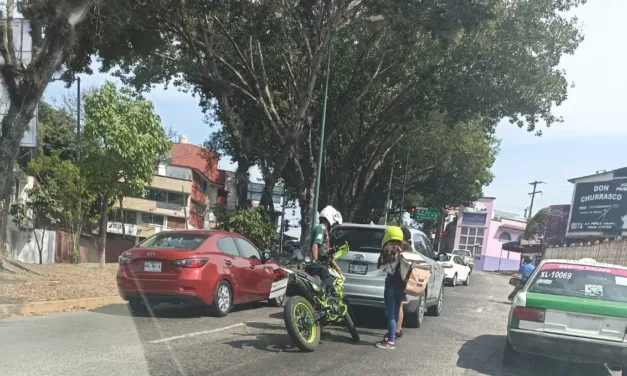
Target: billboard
{"type": "Point", "coordinates": [23, 51]}
{"type": "Point", "coordinates": [556, 225]}
{"type": "Point", "coordinates": [599, 208]}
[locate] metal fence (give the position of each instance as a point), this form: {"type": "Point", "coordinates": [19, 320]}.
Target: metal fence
{"type": "Point", "coordinates": [613, 252]}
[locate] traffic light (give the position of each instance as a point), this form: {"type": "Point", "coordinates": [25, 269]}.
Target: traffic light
{"type": "Point", "coordinates": [412, 212]}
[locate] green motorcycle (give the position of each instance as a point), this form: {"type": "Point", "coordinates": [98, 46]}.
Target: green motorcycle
{"type": "Point", "coordinates": [313, 303]}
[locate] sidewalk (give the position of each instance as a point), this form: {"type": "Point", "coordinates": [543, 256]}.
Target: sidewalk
{"type": "Point", "coordinates": [37, 289]}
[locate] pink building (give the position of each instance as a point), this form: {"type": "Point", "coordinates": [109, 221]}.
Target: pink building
{"type": "Point", "coordinates": [483, 230]}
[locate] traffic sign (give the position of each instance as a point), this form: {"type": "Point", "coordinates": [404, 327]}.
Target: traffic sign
{"type": "Point", "coordinates": [426, 214]}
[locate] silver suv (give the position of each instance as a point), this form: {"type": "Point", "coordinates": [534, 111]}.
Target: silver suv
{"type": "Point", "coordinates": [364, 282]}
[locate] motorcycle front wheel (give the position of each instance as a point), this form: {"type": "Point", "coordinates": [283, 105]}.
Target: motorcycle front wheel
{"type": "Point", "coordinates": [351, 326]}
{"type": "Point", "coordinates": [303, 330]}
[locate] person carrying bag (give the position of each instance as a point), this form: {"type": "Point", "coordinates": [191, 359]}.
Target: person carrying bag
{"type": "Point", "coordinates": [393, 295]}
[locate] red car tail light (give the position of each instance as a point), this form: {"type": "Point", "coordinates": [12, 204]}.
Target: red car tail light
{"type": "Point", "coordinates": [279, 273]}
{"type": "Point", "coordinates": [448, 266]}
{"type": "Point", "coordinates": [529, 314]}
{"type": "Point", "coordinates": [123, 260]}
{"type": "Point", "coordinates": [190, 263]}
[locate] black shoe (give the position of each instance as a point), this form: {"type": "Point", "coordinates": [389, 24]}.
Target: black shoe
{"type": "Point", "coordinates": [399, 334]}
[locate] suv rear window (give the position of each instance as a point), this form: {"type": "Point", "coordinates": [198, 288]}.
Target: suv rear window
{"type": "Point", "coordinates": [359, 239]}
{"type": "Point", "coordinates": [584, 281]}
{"type": "Point", "coordinates": [177, 241]}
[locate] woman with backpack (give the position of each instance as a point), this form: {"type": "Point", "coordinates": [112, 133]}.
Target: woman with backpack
{"type": "Point", "coordinates": [393, 294]}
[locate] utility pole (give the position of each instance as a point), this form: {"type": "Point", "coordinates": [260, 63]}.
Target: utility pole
{"type": "Point", "coordinates": [387, 201]}
{"type": "Point", "coordinates": [533, 195]}
{"type": "Point", "coordinates": [282, 227]}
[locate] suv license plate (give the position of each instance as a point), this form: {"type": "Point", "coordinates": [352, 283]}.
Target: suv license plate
{"type": "Point", "coordinates": [358, 268]}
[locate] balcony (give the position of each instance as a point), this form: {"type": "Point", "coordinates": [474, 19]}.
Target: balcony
{"type": "Point", "coordinates": [196, 220]}
{"type": "Point", "coordinates": [198, 195]}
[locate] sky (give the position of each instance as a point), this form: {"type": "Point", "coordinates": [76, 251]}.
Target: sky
{"type": "Point", "coordinates": [591, 138]}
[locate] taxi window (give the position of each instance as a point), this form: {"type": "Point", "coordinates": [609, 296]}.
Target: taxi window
{"type": "Point", "coordinates": [585, 281]}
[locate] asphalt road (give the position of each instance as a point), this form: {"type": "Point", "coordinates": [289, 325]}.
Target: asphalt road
{"type": "Point", "coordinates": [467, 339]}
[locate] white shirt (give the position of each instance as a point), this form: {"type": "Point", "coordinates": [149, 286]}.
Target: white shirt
{"type": "Point", "coordinates": [391, 267]}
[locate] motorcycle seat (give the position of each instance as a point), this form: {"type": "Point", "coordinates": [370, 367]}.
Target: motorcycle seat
{"type": "Point", "coordinates": [311, 278]}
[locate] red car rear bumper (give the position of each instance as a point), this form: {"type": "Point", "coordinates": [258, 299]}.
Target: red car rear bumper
{"type": "Point", "coordinates": [188, 288]}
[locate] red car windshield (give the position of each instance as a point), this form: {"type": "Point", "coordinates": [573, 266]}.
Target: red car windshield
{"type": "Point", "coordinates": [177, 241]}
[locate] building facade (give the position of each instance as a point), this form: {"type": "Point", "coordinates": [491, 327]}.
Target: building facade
{"type": "Point", "coordinates": [182, 193]}
{"type": "Point", "coordinates": [483, 231]}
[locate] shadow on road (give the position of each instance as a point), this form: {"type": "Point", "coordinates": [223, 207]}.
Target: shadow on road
{"type": "Point", "coordinates": [276, 339]}
{"type": "Point", "coordinates": [171, 311]}
{"type": "Point", "coordinates": [484, 354]}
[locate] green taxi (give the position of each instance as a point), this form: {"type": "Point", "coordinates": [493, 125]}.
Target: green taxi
{"type": "Point", "coordinates": [573, 311]}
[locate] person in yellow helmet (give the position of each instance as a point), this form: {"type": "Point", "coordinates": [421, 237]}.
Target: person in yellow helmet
{"type": "Point", "coordinates": [393, 294]}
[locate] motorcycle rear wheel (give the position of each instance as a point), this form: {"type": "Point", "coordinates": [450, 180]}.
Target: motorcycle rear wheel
{"type": "Point", "coordinates": [299, 322]}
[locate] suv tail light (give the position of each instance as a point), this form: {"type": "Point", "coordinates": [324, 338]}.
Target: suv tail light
{"type": "Point", "coordinates": [529, 314]}
{"type": "Point", "coordinates": [190, 263]}
{"type": "Point", "coordinates": [448, 266]}
{"type": "Point", "coordinates": [279, 273]}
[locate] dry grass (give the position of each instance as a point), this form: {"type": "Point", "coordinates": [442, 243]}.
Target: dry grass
{"type": "Point", "coordinates": [35, 283]}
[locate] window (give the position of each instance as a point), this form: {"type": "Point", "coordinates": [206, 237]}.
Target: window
{"type": "Point", "coordinates": [457, 260]}
{"type": "Point", "coordinates": [505, 236]}
{"type": "Point", "coordinates": [359, 239]}
{"type": "Point", "coordinates": [152, 219]}
{"type": "Point", "coordinates": [420, 245]}
{"type": "Point", "coordinates": [200, 209]}
{"type": "Point", "coordinates": [177, 198]}
{"type": "Point", "coordinates": [156, 195]}
{"type": "Point", "coordinates": [130, 217]}
{"type": "Point", "coordinates": [471, 239]}
{"type": "Point", "coordinates": [430, 251]}
{"type": "Point", "coordinates": [247, 250]}
{"type": "Point", "coordinates": [174, 240]}
{"type": "Point", "coordinates": [582, 281]}
{"type": "Point", "coordinates": [227, 245]}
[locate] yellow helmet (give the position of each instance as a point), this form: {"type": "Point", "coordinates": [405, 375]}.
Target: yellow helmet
{"type": "Point", "coordinates": [392, 233]}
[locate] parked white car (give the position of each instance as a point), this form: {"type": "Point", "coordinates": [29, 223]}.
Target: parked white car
{"type": "Point", "coordinates": [455, 269]}
{"type": "Point", "coordinates": [466, 255]}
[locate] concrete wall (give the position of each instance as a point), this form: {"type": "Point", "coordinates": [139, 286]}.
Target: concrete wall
{"type": "Point", "coordinates": [23, 246]}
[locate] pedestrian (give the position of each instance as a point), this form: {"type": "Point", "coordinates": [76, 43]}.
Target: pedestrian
{"type": "Point", "coordinates": [393, 294]}
{"type": "Point", "coordinates": [526, 269]}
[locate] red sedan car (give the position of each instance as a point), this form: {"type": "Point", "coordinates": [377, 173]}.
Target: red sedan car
{"type": "Point", "coordinates": [198, 267]}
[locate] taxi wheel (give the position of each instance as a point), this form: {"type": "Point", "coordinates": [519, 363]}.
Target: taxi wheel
{"type": "Point", "coordinates": [509, 354]}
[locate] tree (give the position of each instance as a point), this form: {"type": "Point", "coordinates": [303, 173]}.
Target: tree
{"type": "Point", "coordinates": [537, 224]}
{"type": "Point", "coordinates": [124, 138]}
{"type": "Point", "coordinates": [55, 31]}
{"type": "Point", "coordinates": [257, 68]}
{"type": "Point", "coordinates": [249, 222]}
{"type": "Point", "coordinates": [257, 65]}
{"type": "Point", "coordinates": [65, 184]}
{"type": "Point", "coordinates": [41, 211]}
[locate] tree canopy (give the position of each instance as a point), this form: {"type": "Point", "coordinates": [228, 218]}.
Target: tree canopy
{"type": "Point", "coordinates": [123, 138]}
{"type": "Point", "coordinates": [537, 224]}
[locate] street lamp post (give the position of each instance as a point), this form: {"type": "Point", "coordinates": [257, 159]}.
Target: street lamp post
{"type": "Point", "coordinates": [324, 119]}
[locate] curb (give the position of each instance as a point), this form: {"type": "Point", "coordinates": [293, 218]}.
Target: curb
{"type": "Point", "coordinates": [57, 305]}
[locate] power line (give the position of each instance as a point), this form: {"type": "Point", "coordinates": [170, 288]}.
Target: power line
{"type": "Point", "coordinates": [533, 195]}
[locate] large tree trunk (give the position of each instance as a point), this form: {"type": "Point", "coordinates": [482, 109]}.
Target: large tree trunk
{"type": "Point", "coordinates": [241, 183]}
{"type": "Point", "coordinates": [104, 206]}
{"type": "Point", "coordinates": [306, 212]}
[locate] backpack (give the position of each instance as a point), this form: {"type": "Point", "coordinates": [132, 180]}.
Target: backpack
{"type": "Point", "coordinates": [414, 278]}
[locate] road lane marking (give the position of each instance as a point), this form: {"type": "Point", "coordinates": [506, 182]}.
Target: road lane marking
{"type": "Point", "coordinates": [194, 334]}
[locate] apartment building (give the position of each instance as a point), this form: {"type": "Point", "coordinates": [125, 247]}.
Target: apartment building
{"type": "Point", "coordinates": [182, 193]}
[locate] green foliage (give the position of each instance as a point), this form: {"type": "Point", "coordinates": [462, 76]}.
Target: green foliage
{"type": "Point", "coordinates": [55, 132]}
{"type": "Point", "coordinates": [248, 222]}
{"type": "Point", "coordinates": [537, 224]}
{"type": "Point", "coordinates": [124, 138]}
